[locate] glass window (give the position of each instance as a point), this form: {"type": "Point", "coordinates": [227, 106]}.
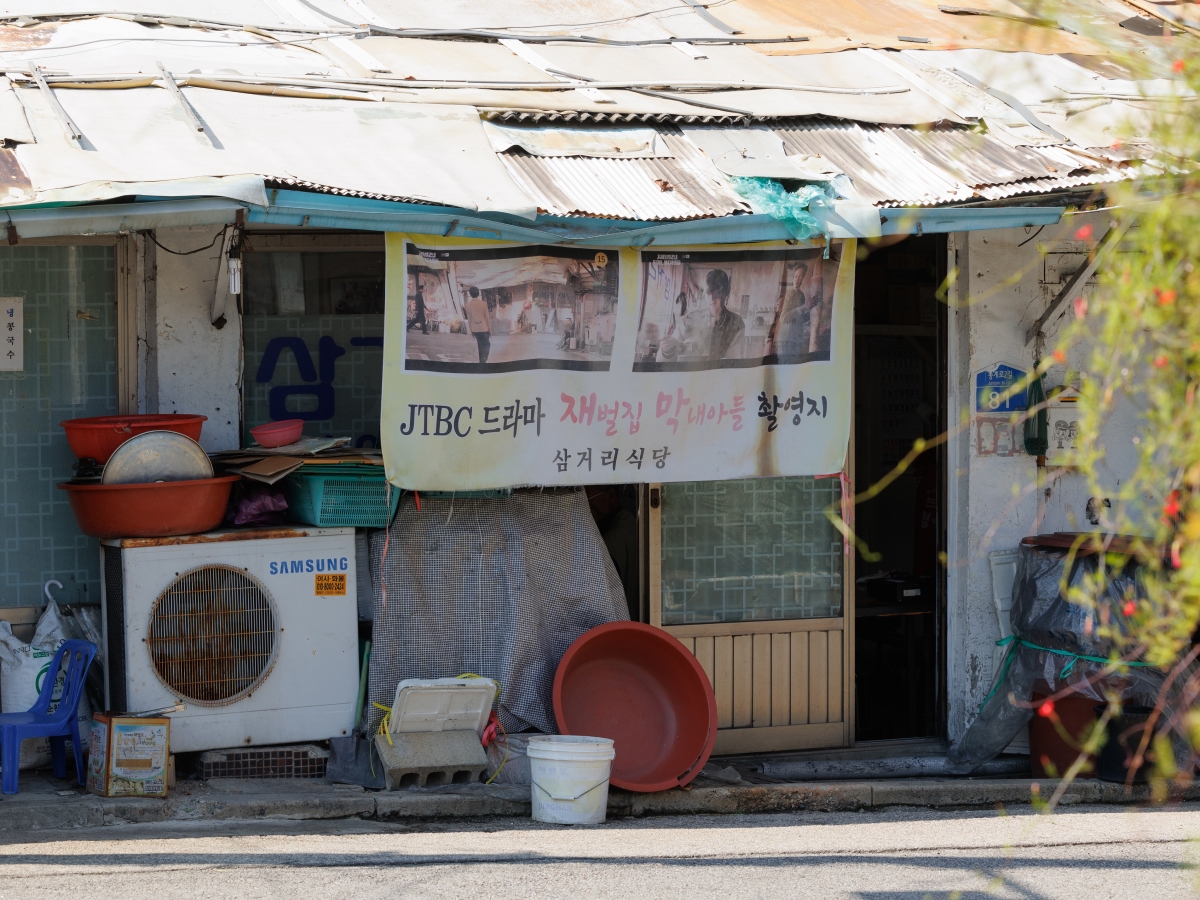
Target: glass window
{"type": "Point", "coordinates": [762, 548]}
{"type": "Point", "coordinates": [312, 329]}
{"type": "Point", "coordinates": [70, 371]}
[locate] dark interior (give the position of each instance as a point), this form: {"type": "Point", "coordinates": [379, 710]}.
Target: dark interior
{"type": "Point", "coordinates": [899, 382]}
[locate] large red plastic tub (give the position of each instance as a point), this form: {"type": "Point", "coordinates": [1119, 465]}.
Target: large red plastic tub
{"type": "Point", "coordinates": [157, 509]}
{"type": "Point", "coordinates": [638, 686]}
{"type": "Point", "coordinates": [97, 437]}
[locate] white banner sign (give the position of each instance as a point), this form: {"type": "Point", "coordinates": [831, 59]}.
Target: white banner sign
{"type": "Point", "coordinates": [509, 365]}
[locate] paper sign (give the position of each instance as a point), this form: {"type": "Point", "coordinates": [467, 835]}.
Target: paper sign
{"type": "Point", "coordinates": [12, 329]}
{"type": "Point", "coordinates": [993, 386]}
{"type": "Point", "coordinates": [509, 365]}
{"type": "Point", "coordinates": [330, 586]}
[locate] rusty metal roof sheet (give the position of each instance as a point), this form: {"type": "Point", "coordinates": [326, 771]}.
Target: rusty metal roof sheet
{"type": "Point", "coordinates": [883, 170]}
{"type": "Point", "coordinates": [887, 166]}
{"type": "Point", "coordinates": [979, 160]}
{"type": "Point", "coordinates": [14, 183]}
{"type": "Point", "coordinates": [686, 186]}
{"type": "Point", "coordinates": [898, 24]}
{"type": "Point", "coordinates": [890, 166]}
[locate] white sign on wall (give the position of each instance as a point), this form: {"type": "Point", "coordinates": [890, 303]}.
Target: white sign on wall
{"type": "Point", "coordinates": [12, 329]}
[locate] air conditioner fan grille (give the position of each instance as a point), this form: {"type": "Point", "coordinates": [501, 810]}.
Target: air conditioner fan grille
{"type": "Point", "coordinates": [212, 635]}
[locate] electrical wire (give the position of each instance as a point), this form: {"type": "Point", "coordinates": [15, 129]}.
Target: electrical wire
{"type": "Point", "coordinates": [1031, 237]}
{"type": "Point", "coordinates": [220, 236]}
{"type": "Point", "coordinates": [42, 52]}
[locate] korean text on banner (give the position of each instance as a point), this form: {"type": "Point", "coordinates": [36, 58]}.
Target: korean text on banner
{"type": "Point", "coordinates": [509, 365]}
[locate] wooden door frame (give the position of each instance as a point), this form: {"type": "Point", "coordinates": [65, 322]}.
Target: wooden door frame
{"type": "Point", "coordinates": [764, 638]}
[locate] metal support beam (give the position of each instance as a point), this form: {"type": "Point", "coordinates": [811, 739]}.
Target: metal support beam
{"type": "Point", "coordinates": [1013, 102]}
{"type": "Point", "coordinates": [1082, 274]}
{"type": "Point", "coordinates": [701, 10]}
{"type": "Point", "coordinates": [68, 124]}
{"type": "Point", "coordinates": [188, 112]}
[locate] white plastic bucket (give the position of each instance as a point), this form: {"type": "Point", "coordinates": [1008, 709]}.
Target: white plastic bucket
{"type": "Point", "coordinates": [569, 778]}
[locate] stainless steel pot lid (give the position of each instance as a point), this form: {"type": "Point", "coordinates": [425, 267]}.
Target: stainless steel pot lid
{"type": "Point", "coordinates": [157, 456]}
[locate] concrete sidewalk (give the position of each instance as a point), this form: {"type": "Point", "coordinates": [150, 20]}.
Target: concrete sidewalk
{"type": "Point", "coordinates": [49, 803]}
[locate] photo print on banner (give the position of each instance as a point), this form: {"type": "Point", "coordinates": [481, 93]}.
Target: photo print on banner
{"type": "Point", "coordinates": [739, 309]}
{"type": "Point", "coordinates": [507, 309]}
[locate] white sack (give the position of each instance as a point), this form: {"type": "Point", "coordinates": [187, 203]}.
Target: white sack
{"type": "Point", "coordinates": [24, 668]}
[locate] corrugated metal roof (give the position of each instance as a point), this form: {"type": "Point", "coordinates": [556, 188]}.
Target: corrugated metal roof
{"type": "Point", "coordinates": [891, 166]}
{"type": "Point", "coordinates": [584, 117]}
{"type": "Point", "coordinates": [883, 170]}
{"type": "Point", "coordinates": [1051, 185]}
{"type": "Point", "coordinates": [685, 187]}
{"type": "Point", "coordinates": [979, 159]}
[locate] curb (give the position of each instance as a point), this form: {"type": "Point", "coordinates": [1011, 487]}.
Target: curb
{"type": "Point", "coordinates": [40, 812]}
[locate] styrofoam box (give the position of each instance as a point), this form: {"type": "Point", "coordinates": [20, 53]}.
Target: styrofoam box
{"type": "Point", "coordinates": [442, 704]}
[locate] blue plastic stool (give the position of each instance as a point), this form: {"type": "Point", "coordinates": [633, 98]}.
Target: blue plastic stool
{"type": "Point", "coordinates": [38, 722]}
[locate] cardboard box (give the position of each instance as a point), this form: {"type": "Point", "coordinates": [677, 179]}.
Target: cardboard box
{"type": "Point", "coordinates": [129, 756]}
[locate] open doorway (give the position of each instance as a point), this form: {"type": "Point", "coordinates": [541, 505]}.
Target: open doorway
{"type": "Point", "coordinates": [900, 373]}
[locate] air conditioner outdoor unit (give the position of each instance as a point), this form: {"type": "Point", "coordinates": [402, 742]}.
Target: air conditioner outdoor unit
{"type": "Point", "coordinates": [256, 631]}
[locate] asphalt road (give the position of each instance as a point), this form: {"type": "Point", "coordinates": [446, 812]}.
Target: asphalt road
{"type": "Point", "coordinates": [1090, 852]}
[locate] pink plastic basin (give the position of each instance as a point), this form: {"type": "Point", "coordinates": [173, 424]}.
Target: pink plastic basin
{"type": "Point", "coordinates": [277, 434]}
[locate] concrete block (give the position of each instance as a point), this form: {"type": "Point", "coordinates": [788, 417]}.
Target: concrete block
{"type": "Point", "coordinates": [431, 758]}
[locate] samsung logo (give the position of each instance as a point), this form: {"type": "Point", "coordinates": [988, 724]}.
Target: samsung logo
{"type": "Point", "coordinates": [301, 566]}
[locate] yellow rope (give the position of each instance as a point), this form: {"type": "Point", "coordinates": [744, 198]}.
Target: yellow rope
{"type": "Point", "coordinates": [383, 723]}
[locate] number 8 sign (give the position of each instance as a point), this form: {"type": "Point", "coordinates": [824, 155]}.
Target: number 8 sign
{"type": "Point", "coordinates": [994, 389]}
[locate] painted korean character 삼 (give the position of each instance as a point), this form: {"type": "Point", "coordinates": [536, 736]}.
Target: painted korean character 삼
{"type": "Point", "coordinates": [609, 414]}
{"type": "Point", "coordinates": [769, 409]}
{"type": "Point", "coordinates": [609, 458]}
{"type": "Point", "coordinates": [490, 418]}
{"type": "Point", "coordinates": [531, 414]}
{"type": "Point", "coordinates": [561, 458]}
{"type": "Point", "coordinates": [584, 456]}
{"type": "Point", "coordinates": [635, 423]}
{"type": "Point", "coordinates": [636, 457]}
{"type": "Point", "coordinates": [660, 457]}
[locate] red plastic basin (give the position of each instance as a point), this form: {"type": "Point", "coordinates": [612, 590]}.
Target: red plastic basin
{"type": "Point", "coordinates": [278, 434]}
{"type": "Point", "coordinates": [97, 437]}
{"type": "Point", "coordinates": [639, 686]}
{"type": "Point", "coordinates": [159, 509]}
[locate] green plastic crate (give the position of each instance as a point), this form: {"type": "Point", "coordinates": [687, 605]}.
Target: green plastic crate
{"type": "Point", "coordinates": [345, 495]}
